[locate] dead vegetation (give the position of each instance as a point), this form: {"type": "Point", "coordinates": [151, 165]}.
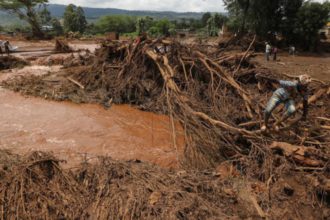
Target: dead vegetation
{"type": "Point", "coordinates": [36, 187]}
{"type": "Point", "coordinates": [62, 46]}
{"type": "Point", "coordinates": [10, 62]}
{"type": "Point", "coordinates": [219, 99]}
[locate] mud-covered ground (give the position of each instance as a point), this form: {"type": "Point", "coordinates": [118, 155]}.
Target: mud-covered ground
{"type": "Point", "coordinates": [316, 65]}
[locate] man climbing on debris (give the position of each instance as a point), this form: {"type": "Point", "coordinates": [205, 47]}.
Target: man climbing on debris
{"type": "Point", "coordinates": [286, 94]}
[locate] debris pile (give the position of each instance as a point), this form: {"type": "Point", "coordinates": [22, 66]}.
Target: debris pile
{"type": "Point", "coordinates": [217, 97]}
{"type": "Point", "coordinates": [62, 47]}
{"type": "Point", "coordinates": [36, 187]}
{"type": "Point", "coordinates": [80, 58]}
{"type": "Point", "coordinates": [9, 62]}
{"type": "Point", "coordinates": [241, 42]}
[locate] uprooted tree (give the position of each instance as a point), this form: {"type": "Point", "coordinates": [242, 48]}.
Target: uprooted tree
{"type": "Point", "coordinates": [25, 10]}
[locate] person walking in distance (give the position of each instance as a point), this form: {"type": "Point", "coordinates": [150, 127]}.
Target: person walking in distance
{"type": "Point", "coordinates": [268, 50]}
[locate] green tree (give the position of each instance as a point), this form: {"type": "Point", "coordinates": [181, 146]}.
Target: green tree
{"type": "Point", "coordinates": [143, 24]}
{"type": "Point", "coordinates": [25, 10]}
{"type": "Point", "coordinates": [264, 17]}
{"type": "Point", "coordinates": [206, 16]}
{"type": "Point", "coordinates": [311, 17]}
{"type": "Point", "coordinates": [69, 18]}
{"type": "Point", "coordinates": [57, 27]}
{"type": "Point", "coordinates": [289, 13]}
{"type": "Point", "coordinates": [45, 16]}
{"type": "Point", "coordinates": [74, 19]}
{"type": "Point", "coordinates": [212, 28]}
{"type": "Point", "coordinates": [81, 19]}
{"type": "Point", "coordinates": [182, 24]}
{"type": "Point", "coordinates": [116, 23]}
{"type": "Point", "coordinates": [239, 12]}
{"type": "Point", "coordinates": [162, 27]}
{"type": "Point", "coordinates": [220, 19]}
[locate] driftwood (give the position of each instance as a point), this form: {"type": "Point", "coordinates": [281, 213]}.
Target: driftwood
{"type": "Point", "coordinates": [325, 127]}
{"type": "Point", "coordinates": [76, 82]}
{"type": "Point", "coordinates": [245, 55]}
{"type": "Point", "coordinates": [308, 156]}
{"type": "Point", "coordinates": [323, 119]}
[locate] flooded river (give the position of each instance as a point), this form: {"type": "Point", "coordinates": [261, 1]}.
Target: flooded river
{"type": "Point", "coordinates": [74, 131]}
{"type": "Point", "coordinates": [83, 131]}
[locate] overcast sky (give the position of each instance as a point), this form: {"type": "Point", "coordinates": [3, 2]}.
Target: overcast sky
{"type": "Point", "coordinates": [157, 5]}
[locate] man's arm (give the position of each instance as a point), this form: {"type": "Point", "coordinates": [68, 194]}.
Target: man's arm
{"type": "Point", "coordinates": [285, 83]}
{"type": "Point", "coordinates": [267, 78]}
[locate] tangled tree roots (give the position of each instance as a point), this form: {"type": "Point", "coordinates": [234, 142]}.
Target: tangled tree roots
{"type": "Point", "coordinates": [36, 187]}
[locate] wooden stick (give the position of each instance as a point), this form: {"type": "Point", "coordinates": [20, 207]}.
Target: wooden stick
{"type": "Point", "coordinates": [250, 123]}
{"type": "Point", "coordinates": [325, 127]}
{"type": "Point", "coordinates": [164, 70]}
{"type": "Point", "coordinates": [323, 118]}
{"type": "Point", "coordinates": [244, 56]}
{"type": "Point", "coordinates": [76, 82]}
{"type": "Point", "coordinates": [222, 124]}
{"type": "Point", "coordinates": [299, 153]}
{"type": "Point", "coordinates": [315, 97]}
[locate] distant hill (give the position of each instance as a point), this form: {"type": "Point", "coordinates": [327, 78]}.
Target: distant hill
{"type": "Point", "coordinates": [94, 13]}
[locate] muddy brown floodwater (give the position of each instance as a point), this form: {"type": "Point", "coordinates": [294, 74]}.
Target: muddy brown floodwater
{"type": "Point", "coordinates": [75, 132]}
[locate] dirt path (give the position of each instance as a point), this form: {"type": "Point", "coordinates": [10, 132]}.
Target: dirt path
{"type": "Point", "coordinates": [318, 66]}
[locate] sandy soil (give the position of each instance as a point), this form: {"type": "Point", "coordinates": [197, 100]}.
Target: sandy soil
{"type": "Point", "coordinates": [318, 66]}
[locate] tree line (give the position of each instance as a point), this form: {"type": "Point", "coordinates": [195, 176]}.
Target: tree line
{"type": "Point", "coordinates": [36, 14]}
{"type": "Point", "coordinates": [297, 21]}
